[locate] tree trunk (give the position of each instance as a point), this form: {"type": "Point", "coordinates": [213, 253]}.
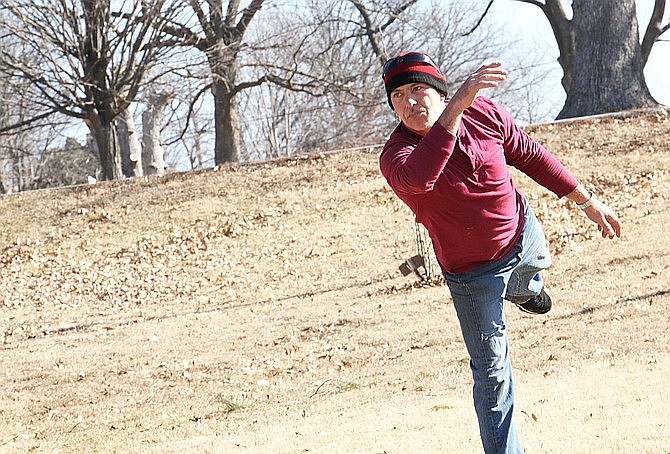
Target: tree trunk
{"type": "Point", "coordinates": [608, 69]}
{"type": "Point", "coordinates": [129, 145]}
{"type": "Point", "coordinates": [153, 152]}
{"type": "Point", "coordinates": [226, 145]}
{"type": "Point", "coordinates": [106, 143]}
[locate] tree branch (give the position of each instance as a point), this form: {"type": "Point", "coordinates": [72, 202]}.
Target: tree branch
{"type": "Point", "coordinates": [189, 113]}
{"type": "Point", "coordinates": [480, 19]}
{"type": "Point", "coordinates": [27, 122]}
{"type": "Point", "coordinates": [537, 3]}
{"type": "Point", "coordinates": [654, 30]}
{"type": "Point", "coordinates": [395, 14]}
{"type": "Point", "coordinates": [369, 29]}
{"type": "Point", "coordinates": [247, 15]}
{"type": "Point", "coordinates": [245, 85]}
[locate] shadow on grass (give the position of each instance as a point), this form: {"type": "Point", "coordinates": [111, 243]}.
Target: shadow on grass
{"type": "Point", "coordinates": [215, 308]}
{"type": "Point", "coordinates": [630, 299]}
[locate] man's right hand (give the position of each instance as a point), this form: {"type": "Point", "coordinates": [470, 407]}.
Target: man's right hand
{"type": "Point", "coordinates": [489, 75]}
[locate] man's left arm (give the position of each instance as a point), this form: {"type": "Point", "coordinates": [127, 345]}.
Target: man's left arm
{"type": "Point", "coordinates": [608, 222]}
{"type": "Point", "coordinates": [529, 156]}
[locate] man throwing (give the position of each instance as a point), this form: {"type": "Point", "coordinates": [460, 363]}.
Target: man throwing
{"type": "Point", "coordinates": [447, 160]}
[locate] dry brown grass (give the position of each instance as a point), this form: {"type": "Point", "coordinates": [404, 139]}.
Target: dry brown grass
{"type": "Point", "coordinates": [259, 309]}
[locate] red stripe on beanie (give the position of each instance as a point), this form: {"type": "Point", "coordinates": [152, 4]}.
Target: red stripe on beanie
{"type": "Point", "coordinates": [415, 67]}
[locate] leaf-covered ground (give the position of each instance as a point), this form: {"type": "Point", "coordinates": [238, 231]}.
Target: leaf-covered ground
{"type": "Point", "coordinates": [260, 309]}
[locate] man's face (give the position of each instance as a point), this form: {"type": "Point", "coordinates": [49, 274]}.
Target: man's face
{"type": "Point", "coordinates": [418, 105]}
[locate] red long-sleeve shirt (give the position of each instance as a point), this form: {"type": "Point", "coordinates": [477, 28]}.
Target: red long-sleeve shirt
{"type": "Point", "coordinates": [460, 188]}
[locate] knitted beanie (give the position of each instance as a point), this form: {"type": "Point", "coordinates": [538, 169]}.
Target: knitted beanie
{"type": "Point", "coordinates": [412, 67]}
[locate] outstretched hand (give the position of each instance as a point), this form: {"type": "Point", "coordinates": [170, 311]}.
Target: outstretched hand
{"type": "Point", "coordinates": [489, 75]}
{"type": "Point", "coordinates": [609, 224]}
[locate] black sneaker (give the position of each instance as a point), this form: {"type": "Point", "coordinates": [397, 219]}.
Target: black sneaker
{"type": "Point", "coordinates": [541, 304]}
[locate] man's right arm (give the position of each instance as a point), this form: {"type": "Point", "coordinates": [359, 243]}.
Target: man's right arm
{"type": "Point", "coordinates": [413, 168]}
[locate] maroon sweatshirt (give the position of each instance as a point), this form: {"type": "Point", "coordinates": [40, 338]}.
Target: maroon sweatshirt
{"type": "Point", "coordinates": [460, 188]}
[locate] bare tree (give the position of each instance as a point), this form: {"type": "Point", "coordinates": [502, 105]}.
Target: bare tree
{"type": "Point", "coordinates": [375, 26]}
{"type": "Point", "coordinates": [92, 59]}
{"type": "Point", "coordinates": [314, 55]}
{"type": "Point", "coordinates": [241, 58]}
{"type": "Point", "coordinates": [219, 35]}
{"type": "Point", "coordinates": [600, 53]}
{"type": "Point", "coordinates": [29, 160]}
{"type": "Point", "coordinates": [187, 127]}
{"type": "Point", "coordinates": [28, 157]}
{"type": "Point", "coordinates": [326, 91]}
{"type": "Point", "coordinates": [349, 41]}
{"type": "Point", "coordinates": [607, 73]}
{"type": "Point", "coordinates": [268, 81]}
{"type": "Point", "coordinates": [129, 144]}
{"type": "Point", "coordinates": [268, 129]}
{"type": "Point", "coordinates": [152, 151]}
{"type": "Point", "coordinates": [177, 126]}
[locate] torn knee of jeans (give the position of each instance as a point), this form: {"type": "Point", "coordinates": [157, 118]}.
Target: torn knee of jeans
{"type": "Point", "coordinates": [495, 331]}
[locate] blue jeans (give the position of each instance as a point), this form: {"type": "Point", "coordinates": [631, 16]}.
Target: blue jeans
{"type": "Point", "coordinates": [478, 298]}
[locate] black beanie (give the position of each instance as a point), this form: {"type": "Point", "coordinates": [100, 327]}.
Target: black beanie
{"type": "Point", "coordinates": [405, 73]}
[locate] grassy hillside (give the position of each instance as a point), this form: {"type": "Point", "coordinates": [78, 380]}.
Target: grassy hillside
{"type": "Point", "coordinates": [251, 308]}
